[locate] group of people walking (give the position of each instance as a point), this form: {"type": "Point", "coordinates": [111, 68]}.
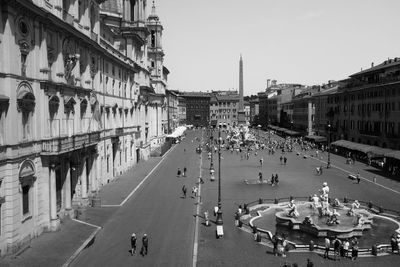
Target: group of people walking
{"type": "Point", "coordinates": [341, 248]}
{"type": "Point", "coordinates": [145, 244]}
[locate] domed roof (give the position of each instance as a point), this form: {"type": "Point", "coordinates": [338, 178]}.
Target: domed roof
{"type": "Point", "coordinates": [153, 15]}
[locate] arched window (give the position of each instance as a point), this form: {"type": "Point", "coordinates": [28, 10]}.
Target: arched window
{"type": "Point", "coordinates": [26, 179]}
{"type": "Point", "coordinates": [84, 120]}
{"type": "Point", "coordinates": [54, 103]}
{"type": "Point", "coordinates": [26, 105]}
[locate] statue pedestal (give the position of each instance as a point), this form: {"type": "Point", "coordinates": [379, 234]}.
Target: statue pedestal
{"type": "Point", "coordinates": [241, 118]}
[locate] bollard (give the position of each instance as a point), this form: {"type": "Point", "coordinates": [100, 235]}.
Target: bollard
{"type": "Point", "coordinates": [258, 237]}
{"type": "Point", "coordinates": [374, 250]}
{"type": "Point", "coordinates": [311, 245]}
{"type": "Point", "coordinates": [260, 201]}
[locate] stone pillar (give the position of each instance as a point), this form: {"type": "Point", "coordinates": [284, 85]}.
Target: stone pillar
{"type": "Point", "coordinates": [54, 221]}
{"type": "Point", "coordinates": [67, 187]}
{"type": "Point", "coordinates": [94, 174]}
{"type": "Point", "coordinates": [84, 181]}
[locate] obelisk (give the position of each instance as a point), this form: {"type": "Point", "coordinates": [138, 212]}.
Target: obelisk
{"type": "Point", "coordinates": [241, 114]}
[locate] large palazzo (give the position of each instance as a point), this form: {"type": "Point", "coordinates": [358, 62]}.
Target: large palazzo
{"type": "Point", "coordinates": [82, 99]}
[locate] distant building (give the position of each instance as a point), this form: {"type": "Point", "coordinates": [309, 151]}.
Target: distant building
{"type": "Point", "coordinates": [197, 108]}
{"type": "Point", "coordinates": [224, 108]}
{"type": "Point", "coordinates": [172, 110]}
{"type": "Point", "coordinates": [181, 110]}
{"type": "Point", "coordinates": [254, 111]}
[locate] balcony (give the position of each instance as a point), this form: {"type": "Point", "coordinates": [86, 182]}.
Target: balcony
{"type": "Point", "coordinates": [60, 145]}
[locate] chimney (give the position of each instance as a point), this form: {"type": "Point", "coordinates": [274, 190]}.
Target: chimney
{"type": "Point", "coordinates": [372, 64]}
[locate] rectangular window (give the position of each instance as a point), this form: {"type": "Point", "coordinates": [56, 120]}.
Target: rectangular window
{"type": "Point", "coordinates": [25, 199]}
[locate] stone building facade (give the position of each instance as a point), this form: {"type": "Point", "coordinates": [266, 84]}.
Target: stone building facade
{"type": "Point", "coordinates": [79, 105]}
{"type": "Point", "coordinates": [197, 108]}
{"type": "Point", "coordinates": [365, 108]}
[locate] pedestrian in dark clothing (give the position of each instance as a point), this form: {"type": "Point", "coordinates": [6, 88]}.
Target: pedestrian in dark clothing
{"type": "Point", "coordinates": [184, 172]}
{"type": "Point", "coordinates": [179, 172]}
{"type": "Point", "coordinates": [336, 248]}
{"type": "Point", "coordinates": [354, 252]}
{"type": "Point", "coordinates": [260, 179]}
{"type": "Point", "coordinates": [184, 190]}
{"type": "Point", "coordinates": [280, 159]}
{"type": "Point", "coordinates": [310, 263]}
{"type": "Point", "coordinates": [276, 179]}
{"type": "Point", "coordinates": [358, 177]}
{"type": "Point", "coordinates": [275, 244]}
{"type": "Point", "coordinates": [284, 160]}
{"type": "Point", "coordinates": [133, 244]}
{"type": "Point", "coordinates": [393, 242]}
{"type": "Point", "coordinates": [145, 245]}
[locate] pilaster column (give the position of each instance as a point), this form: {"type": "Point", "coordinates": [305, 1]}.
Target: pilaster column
{"type": "Point", "coordinates": [67, 187]}
{"type": "Point", "coordinates": [54, 222]}
{"type": "Point", "coordinates": [84, 180]}
{"type": "Point", "coordinates": [94, 174]}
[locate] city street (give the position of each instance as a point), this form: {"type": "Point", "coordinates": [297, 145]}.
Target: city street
{"type": "Point", "coordinates": [157, 209]}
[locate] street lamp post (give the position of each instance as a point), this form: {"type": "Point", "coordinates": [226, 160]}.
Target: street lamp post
{"type": "Point", "coordinates": [212, 153]}
{"type": "Point", "coordinates": [269, 131]}
{"type": "Point", "coordinates": [219, 222]}
{"type": "Point", "coordinates": [328, 165]}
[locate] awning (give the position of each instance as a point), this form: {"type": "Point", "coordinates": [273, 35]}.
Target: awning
{"type": "Point", "coordinates": [395, 154]}
{"type": "Point", "coordinates": [290, 132]}
{"type": "Point", "coordinates": [316, 138]}
{"type": "Point", "coordinates": [353, 146]}
{"type": "Point", "coordinates": [377, 152]}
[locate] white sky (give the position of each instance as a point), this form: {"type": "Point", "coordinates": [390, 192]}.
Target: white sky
{"type": "Point", "coordinates": [292, 41]}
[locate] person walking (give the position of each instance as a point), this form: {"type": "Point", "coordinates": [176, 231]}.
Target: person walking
{"type": "Point", "coordinates": [133, 243]}
{"type": "Point", "coordinates": [178, 174]}
{"type": "Point", "coordinates": [184, 190]}
{"type": "Point", "coordinates": [336, 248]}
{"type": "Point", "coordinates": [310, 263]}
{"type": "Point", "coordinates": [261, 162]}
{"type": "Point", "coordinates": [284, 160]}
{"type": "Point", "coordinates": [280, 159]}
{"type": "Point", "coordinates": [358, 177]}
{"type": "Point", "coordinates": [145, 245]}
{"type": "Point", "coordinates": [327, 247]}
{"type": "Point", "coordinates": [184, 172]}
{"type": "Point", "coordinates": [260, 179]}
{"type": "Point", "coordinates": [346, 245]}
{"type": "Point", "coordinates": [354, 251]}
{"type": "Point", "coordinates": [276, 179]}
